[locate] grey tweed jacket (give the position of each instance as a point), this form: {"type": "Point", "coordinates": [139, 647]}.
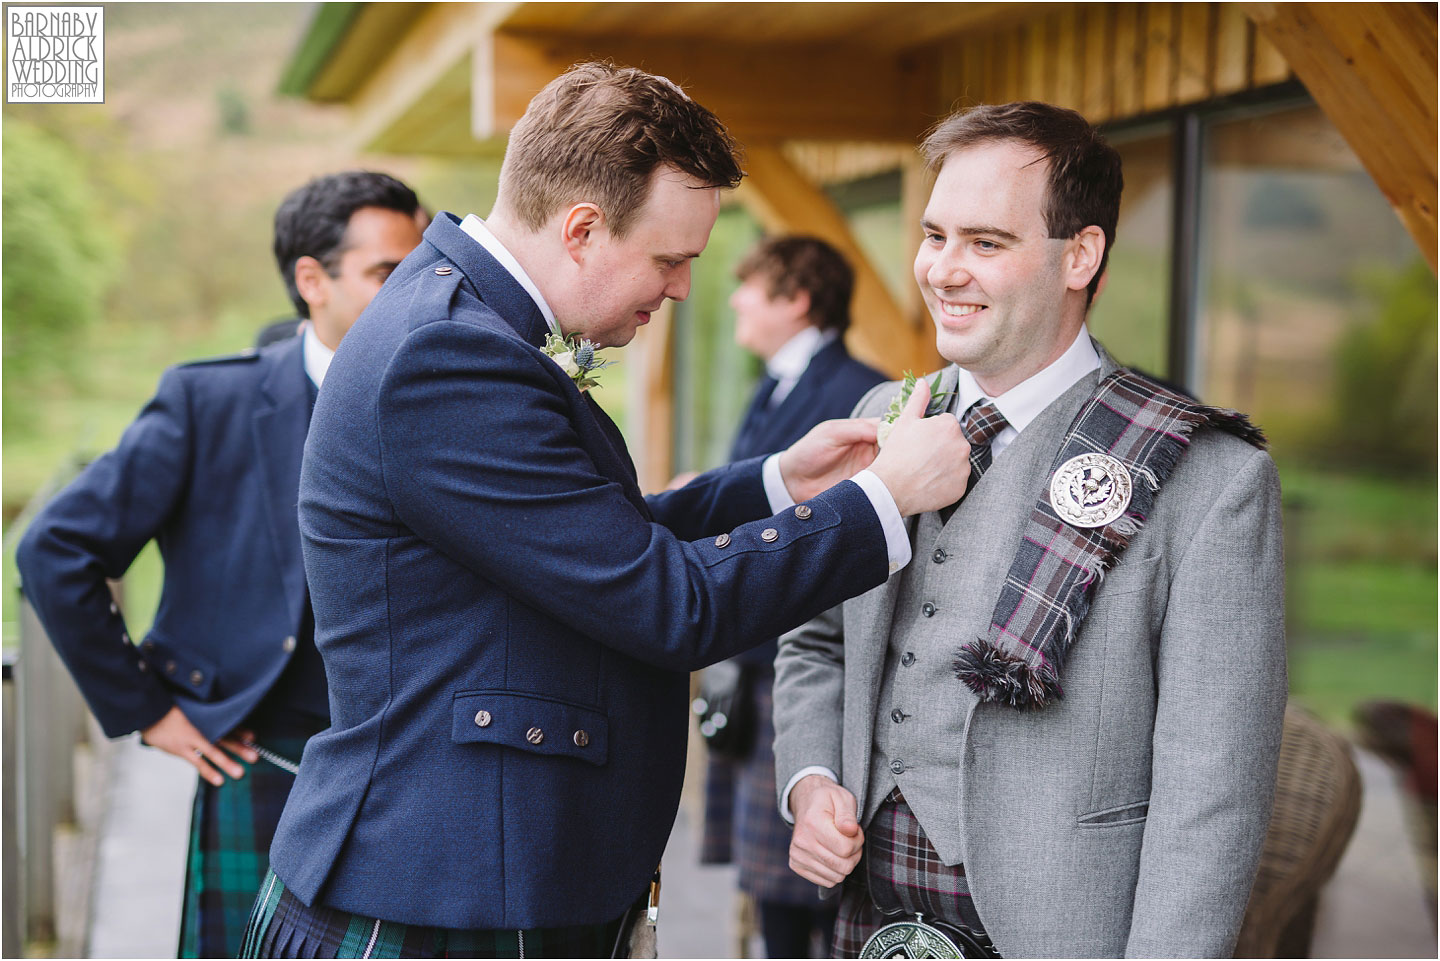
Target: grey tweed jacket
{"type": "Point", "coordinates": [1127, 818]}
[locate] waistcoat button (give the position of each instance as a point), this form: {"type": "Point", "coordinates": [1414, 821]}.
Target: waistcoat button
{"type": "Point", "coordinates": [907, 658]}
{"type": "Point", "coordinates": [939, 556]}
{"type": "Point", "coordinates": [897, 766]}
{"type": "Point", "coordinates": [928, 609]}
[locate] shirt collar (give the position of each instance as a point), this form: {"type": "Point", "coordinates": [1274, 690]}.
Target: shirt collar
{"type": "Point", "coordinates": [317, 355]}
{"type": "Point", "coordinates": [791, 360]}
{"type": "Point", "coordinates": [1023, 403]}
{"type": "Point", "coordinates": [476, 228]}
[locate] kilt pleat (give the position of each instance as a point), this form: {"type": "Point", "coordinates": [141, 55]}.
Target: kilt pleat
{"type": "Point", "coordinates": [231, 827]}
{"type": "Point", "coordinates": [281, 926]}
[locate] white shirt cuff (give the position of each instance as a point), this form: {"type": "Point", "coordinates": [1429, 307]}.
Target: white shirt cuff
{"type": "Point", "coordinates": [897, 541]}
{"type": "Point", "coordinates": [780, 499]}
{"type": "Point", "coordinates": [790, 786]}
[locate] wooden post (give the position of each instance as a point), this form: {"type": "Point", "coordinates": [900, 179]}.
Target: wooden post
{"type": "Point", "coordinates": [40, 775]}
{"type": "Point", "coordinates": [10, 920]}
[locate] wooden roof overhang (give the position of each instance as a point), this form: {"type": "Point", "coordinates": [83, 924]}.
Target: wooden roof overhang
{"type": "Point", "coordinates": [824, 91]}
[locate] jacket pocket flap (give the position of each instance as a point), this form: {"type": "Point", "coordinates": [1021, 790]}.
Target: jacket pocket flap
{"type": "Point", "coordinates": [179, 666]}
{"type": "Point", "coordinates": [1124, 814]}
{"type": "Point", "coordinates": [529, 722]}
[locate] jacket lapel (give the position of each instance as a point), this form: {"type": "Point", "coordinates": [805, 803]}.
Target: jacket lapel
{"type": "Point", "coordinates": [798, 406]}
{"type": "Point", "coordinates": [502, 293]}
{"type": "Point", "coordinates": [279, 426]}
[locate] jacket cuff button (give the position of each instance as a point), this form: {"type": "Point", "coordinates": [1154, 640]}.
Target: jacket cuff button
{"type": "Point", "coordinates": [723, 540]}
{"type": "Point", "coordinates": [803, 512]}
{"type": "Point", "coordinates": [482, 718]}
{"type": "Point", "coordinates": [581, 739]}
{"type": "Point", "coordinates": [534, 735]}
{"type": "Point", "coordinates": [769, 535]}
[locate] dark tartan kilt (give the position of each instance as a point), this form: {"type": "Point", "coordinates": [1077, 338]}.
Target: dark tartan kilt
{"type": "Point", "coordinates": [231, 828]}
{"type": "Point", "coordinates": [283, 927]}
{"type": "Point", "coordinates": [899, 876]}
{"type": "Point", "coordinates": [742, 821]}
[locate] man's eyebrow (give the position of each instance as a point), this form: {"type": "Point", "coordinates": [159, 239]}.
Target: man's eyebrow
{"type": "Point", "coordinates": [1000, 233]}
{"type": "Point", "coordinates": [694, 256]}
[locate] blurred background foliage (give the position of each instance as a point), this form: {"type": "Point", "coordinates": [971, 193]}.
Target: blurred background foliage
{"type": "Point", "coordinates": [137, 232]}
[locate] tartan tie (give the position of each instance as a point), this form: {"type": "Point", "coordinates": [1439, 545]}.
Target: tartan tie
{"type": "Point", "coordinates": [980, 425]}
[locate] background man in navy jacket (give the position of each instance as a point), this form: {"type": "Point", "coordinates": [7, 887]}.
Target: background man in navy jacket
{"type": "Point", "coordinates": [506, 622]}
{"type": "Point", "coordinates": [210, 470]}
{"type": "Point", "coordinates": [792, 309]}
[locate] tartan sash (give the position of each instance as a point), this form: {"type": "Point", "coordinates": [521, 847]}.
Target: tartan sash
{"type": "Point", "coordinates": [1057, 568]}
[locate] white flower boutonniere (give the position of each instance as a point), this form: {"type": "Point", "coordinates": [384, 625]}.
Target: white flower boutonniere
{"type": "Point", "coordinates": [577, 357]}
{"type": "Point", "coordinates": [902, 397]}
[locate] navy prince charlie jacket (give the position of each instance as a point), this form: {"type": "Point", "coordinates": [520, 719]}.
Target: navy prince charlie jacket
{"type": "Point", "coordinates": [506, 622]}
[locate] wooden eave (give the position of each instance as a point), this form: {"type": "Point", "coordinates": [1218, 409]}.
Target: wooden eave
{"type": "Point", "coordinates": [801, 84]}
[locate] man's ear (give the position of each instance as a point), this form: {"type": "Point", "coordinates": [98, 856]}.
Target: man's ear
{"type": "Point", "coordinates": [797, 306]}
{"type": "Point", "coordinates": [1083, 257]}
{"type": "Point", "coordinates": [579, 229]}
{"type": "Point", "coordinates": [312, 281]}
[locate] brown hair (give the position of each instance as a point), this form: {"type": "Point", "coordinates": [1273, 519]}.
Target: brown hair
{"type": "Point", "coordinates": [790, 265]}
{"type": "Point", "coordinates": [1084, 181]}
{"type": "Point", "coordinates": [597, 132]}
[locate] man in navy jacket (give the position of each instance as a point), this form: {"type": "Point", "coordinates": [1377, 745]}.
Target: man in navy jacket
{"type": "Point", "coordinates": [210, 470]}
{"type": "Point", "coordinates": [792, 309]}
{"type": "Point", "coordinates": [506, 622]}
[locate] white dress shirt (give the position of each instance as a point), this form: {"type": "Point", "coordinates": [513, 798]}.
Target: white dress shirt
{"type": "Point", "coordinates": [792, 360]}
{"type": "Point", "coordinates": [317, 355]}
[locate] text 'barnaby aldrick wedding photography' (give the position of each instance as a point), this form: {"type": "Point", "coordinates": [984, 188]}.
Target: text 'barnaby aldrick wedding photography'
{"type": "Point", "coordinates": [55, 54]}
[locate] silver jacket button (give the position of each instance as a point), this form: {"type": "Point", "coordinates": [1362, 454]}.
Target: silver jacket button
{"type": "Point", "coordinates": [482, 718]}
{"type": "Point", "coordinates": [581, 739]}
{"type": "Point", "coordinates": [803, 512]}
{"type": "Point", "coordinates": [769, 535]}
{"type": "Point", "coordinates": [534, 735]}
{"type": "Point", "coordinates": [723, 540]}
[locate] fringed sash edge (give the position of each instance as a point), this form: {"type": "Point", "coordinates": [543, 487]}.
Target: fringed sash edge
{"type": "Point", "coordinates": [1052, 580]}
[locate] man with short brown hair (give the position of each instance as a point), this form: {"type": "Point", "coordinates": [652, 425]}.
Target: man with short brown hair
{"type": "Point", "coordinates": [1056, 734]}
{"type": "Point", "coordinates": [792, 309]}
{"type": "Point", "coordinates": [507, 623]}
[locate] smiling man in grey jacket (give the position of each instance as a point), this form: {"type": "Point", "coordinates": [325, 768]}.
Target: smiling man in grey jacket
{"type": "Point", "coordinates": [1056, 733]}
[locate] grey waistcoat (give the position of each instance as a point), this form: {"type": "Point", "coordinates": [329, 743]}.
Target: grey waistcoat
{"type": "Point", "coordinates": [957, 569]}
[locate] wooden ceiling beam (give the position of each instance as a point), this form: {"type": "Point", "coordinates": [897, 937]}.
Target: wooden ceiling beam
{"type": "Point", "coordinates": [1372, 68]}
{"type": "Point", "coordinates": [764, 91]}
{"type": "Point", "coordinates": [784, 201]}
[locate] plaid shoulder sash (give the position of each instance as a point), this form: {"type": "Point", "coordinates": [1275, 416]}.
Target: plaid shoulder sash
{"type": "Point", "coordinates": [1058, 566]}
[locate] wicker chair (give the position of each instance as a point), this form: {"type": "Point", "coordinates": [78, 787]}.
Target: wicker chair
{"type": "Point", "coordinates": [1317, 802]}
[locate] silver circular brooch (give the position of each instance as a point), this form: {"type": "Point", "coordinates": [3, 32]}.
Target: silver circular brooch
{"type": "Point", "coordinates": [1090, 490]}
{"type": "Point", "coordinates": [910, 939]}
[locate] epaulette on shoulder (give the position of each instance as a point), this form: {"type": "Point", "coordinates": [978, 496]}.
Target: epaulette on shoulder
{"type": "Point", "coordinates": [246, 356]}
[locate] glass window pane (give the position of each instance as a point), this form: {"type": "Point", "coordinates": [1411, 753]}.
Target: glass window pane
{"type": "Point", "coordinates": [1318, 317]}
{"type": "Point", "coordinates": [1130, 315]}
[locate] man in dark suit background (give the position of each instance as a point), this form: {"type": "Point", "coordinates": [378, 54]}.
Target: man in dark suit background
{"type": "Point", "coordinates": [792, 309]}
{"type": "Point", "coordinates": [210, 470]}
{"type": "Point", "coordinates": [507, 624]}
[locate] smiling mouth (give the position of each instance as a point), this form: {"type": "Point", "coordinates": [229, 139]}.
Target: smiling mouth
{"type": "Point", "coordinates": [960, 310]}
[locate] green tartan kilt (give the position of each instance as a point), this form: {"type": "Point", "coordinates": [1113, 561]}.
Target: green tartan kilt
{"type": "Point", "coordinates": [281, 926]}
{"type": "Point", "coordinates": [231, 828]}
